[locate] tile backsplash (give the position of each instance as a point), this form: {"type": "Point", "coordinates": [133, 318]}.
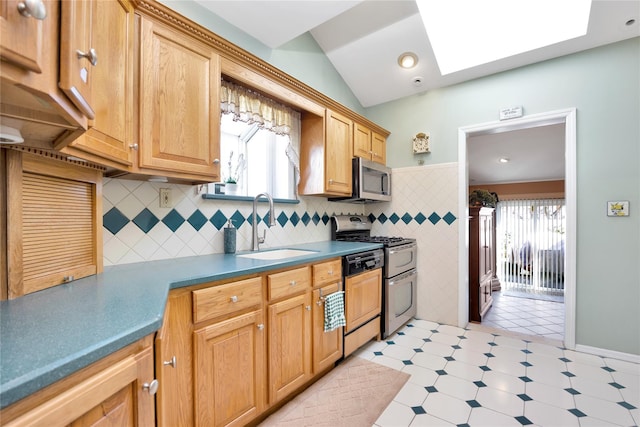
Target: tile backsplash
{"type": "Point", "coordinates": [424, 206]}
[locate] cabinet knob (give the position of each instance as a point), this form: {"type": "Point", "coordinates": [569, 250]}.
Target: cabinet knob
{"type": "Point", "coordinates": [133, 146]}
{"type": "Point", "coordinates": [330, 272]}
{"type": "Point", "coordinates": [260, 326]}
{"type": "Point", "coordinates": [292, 283]}
{"type": "Point", "coordinates": [330, 181]}
{"type": "Point", "coordinates": [234, 299]}
{"type": "Point", "coordinates": [92, 56]}
{"type": "Point", "coordinates": [308, 308]}
{"type": "Point", "coordinates": [173, 362]}
{"type": "Point", "coordinates": [34, 8]}
{"type": "Point", "coordinates": [151, 387]}
{"type": "Point", "coordinates": [216, 161]}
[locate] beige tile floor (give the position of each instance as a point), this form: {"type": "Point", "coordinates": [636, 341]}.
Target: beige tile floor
{"type": "Point", "coordinates": [480, 376]}
{"type": "Point", "coordinates": [526, 315]}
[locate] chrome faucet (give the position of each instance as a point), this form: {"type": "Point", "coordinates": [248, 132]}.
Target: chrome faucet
{"type": "Point", "coordinates": [255, 240]}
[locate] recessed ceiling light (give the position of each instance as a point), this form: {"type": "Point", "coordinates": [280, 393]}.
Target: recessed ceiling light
{"type": "Point", "coordinates": [408, 60]}
{"type": "Point", "coordinates": [467, 33]}
{"type": "Point", "coordinates": [503, 160]}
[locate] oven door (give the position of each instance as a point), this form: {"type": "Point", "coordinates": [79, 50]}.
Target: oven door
{"type": "Point", "coordinates": [400, 304]}
{"type": "Point", "coordinates": [399, 259]}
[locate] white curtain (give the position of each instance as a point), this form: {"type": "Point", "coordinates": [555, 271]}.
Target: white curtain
{"type": "Point", "coordinates": [249, 106]}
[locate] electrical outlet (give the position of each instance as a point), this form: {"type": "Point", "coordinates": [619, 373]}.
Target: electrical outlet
{"type": "Point", "coordinates": [165, 197]}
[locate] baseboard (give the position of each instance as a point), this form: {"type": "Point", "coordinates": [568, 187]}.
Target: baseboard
{"type": "Point", "coordinates": [628, 357]}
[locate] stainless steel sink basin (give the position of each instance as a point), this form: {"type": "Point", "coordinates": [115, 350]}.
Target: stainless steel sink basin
{"type": "Point", "coordinates": [276, 254]}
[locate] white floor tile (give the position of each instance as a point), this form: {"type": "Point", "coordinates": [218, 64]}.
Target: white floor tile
{"type": "Point", "coordinates": [504, 382]}
{"type": "Point", "coordinates": [428, 360]}
{"type": "Point", "coordinates": [500, 401]}
{"type": "Point", "coordinates": [437, 348]}
{"type": "Point", "coordinates": [456, 387]}
{"type": "Point", "coordinates": [485, 417]}
{"type": "Point", "coordinates": [464, 370]}
{"type": "Point", "coordinates": [554, 396]}
{"type": "Point", "coordinates": [596, 389]}
{"type": "Point", "coordinates": [604, 410]}
{"type": "Point", "coordinates": [448, 408]}
{"type": "Point", "coordinates": [506, 366]}
{"type": "Point", "coordinates": [466, 355]}
{"type": "Point", "coordinates": [411, 394]}
{"type": "Point", "coordinates": [427, 420]}
{"type": "Point", "coordinates": [395, 415]}
{"type": "Point", "coordinates": [546, 415]}
{"type": "Point", "coordinates": [421, 376]}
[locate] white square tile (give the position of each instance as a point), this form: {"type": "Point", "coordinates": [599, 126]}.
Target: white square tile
{"type": "Point", "coordinates": [430, 361]}
{"type": "Point", "coordinates": [437, 348]}
{"type": "Point", "coordinates": [599, 389]}
{"type": "Point", "coordinates": [464, 370]}
{"type": "Point", "coordinates": [427, 420]}
{"type": "Point", "coordinates": [550, 395]}
{"type": "Point", "coordinates": [398, 352]}
{"type": "Point", "coordinates": [501, 381]}
{"type": "Point", "coordinates": [411, 395]}
{"type": "Point", "coordinates": [506, 366]}
{"type": "Point", "coordinates": [419, 375]}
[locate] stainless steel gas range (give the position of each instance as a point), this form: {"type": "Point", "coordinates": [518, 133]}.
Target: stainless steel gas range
{"type": "Point", "coordinates": [399, 283]}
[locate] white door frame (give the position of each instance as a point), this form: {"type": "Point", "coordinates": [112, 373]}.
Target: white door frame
{"type": "Point", "coordinates": [568, 117]}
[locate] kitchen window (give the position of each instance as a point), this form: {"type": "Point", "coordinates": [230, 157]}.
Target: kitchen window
{"type": "Point", "coordinates": [259, 145]}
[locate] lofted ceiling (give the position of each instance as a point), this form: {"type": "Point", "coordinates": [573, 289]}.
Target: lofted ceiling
{"type": "Point", "coordinates": [363, 39]}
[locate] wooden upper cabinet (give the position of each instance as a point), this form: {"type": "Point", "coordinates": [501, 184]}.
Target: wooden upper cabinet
{"type": "Point", "coordinates": [21, 40]}
{"type": "Point", "coordinates": [104, 30]}
{"type": "Point", "coordinates": [368, 144]}
{"type": "Point", "coordinates": [339, 141]}
{"type": "Point", "coordinates": [179, 102]}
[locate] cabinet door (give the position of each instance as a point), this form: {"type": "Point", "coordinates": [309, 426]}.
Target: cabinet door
{"type": "Point", "coordinates": [179, 102]}
{"type": "Point", "coordinates": [114, 397]}
{"type": "Point", "coordinates": [21, 40]}
{"type": "Point", "coordinates": [327, 346]}
{"type": "Point", "coordinates": [109, 84]}
{"type": "Point", "coordinates": [378, 148]}
{"type": "Point", "coordinates": [289, 345]}
{"type": "Point", "coordinates": [339, 141]}
{"type": "Point", "coordinates": [361, 141]}
{"type": "Point", "coordinates": [363, 297]}
{"type": "Point", "coordinates": [174, 363]}
{"type": "Point", "coordinates": [230, 371]}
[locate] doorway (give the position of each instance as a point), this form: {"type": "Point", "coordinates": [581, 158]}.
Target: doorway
{"type": "Point", "coordinates": [568, 118]}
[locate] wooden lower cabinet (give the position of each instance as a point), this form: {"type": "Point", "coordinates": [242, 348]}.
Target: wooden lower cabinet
{"type": "Point", "coordinates": [363, 298]}
{"type": "Point", "coordinates": [112, 392]}
{"type": "Point", "coordinates": [327, 346]}
{"type": "Point", "coordinates": [289, 345]}
{"type": "Point", "coordinates": [229, 352]}
{"type": "Point", "coordinates": [229, 371]}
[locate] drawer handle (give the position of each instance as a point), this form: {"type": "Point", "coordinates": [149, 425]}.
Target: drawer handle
{"type": "Point", "coordinates": [173, 362]}
{"type": "Point", "coordinates": [292, 283]}
{"type": "Point", "coordinates": [151, 387]}
{"type": "Point", "coordinates": [260, 326]}
{"type": "Point", "coordinates": [234, 299]}
{"type": "Point", "coordinates": [91, 56]}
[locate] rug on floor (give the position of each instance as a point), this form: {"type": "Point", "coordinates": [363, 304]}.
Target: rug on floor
{"type": "Point", "coordinates": [353, 394]}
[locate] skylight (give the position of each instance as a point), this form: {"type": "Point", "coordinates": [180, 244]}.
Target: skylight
{"type": "Point", "coordinates": [466, 33]}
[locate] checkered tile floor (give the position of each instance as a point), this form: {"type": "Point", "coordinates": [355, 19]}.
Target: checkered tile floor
{"type": "Point", "coordinates": [471, 377]}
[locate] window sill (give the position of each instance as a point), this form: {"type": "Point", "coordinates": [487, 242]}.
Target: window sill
{"type": "Point", "coordinates": [246, 198]}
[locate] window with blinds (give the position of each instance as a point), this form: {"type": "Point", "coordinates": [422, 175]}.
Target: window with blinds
{"type": "Point", "coordinates": [530, 238]}
{"type": "Point", "coordinates": [54, 222]}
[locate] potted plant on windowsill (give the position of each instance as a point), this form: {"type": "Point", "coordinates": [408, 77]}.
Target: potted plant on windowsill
{"type": "Point", "coordinates": [231, 181]}
{"type": "Point", "coordinates": [483, 198]}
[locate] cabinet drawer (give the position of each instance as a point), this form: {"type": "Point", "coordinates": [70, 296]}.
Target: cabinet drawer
{"type": "Point", "coordinates": [289, 282]}
{"type": "Point", "coordinates": [327, 272]}
{"type": "Point", "coordinates": [224, 299]}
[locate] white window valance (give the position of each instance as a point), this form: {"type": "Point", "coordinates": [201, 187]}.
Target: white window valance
{"type": "Point", "coordinates": [251, 107]}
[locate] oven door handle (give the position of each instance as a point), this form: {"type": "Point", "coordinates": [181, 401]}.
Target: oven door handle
{"type": "Point", "coordinates": [402, 249]}
{"type": "Point", "coordinates": [403, 277]}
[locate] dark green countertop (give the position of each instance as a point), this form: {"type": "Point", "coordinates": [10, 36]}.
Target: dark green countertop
{"type": "Point", "coordinates": [50, 334]}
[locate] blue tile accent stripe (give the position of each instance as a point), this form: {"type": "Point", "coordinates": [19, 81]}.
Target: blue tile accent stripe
{"type": "Point", "coordinates": [114, 220]}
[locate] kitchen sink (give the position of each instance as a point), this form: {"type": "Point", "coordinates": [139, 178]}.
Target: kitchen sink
{"type": "Point", "coordinates": [276, 254]}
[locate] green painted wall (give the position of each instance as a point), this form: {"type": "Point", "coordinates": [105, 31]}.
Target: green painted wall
{"type": "Point", "coordinates": [604, 85]}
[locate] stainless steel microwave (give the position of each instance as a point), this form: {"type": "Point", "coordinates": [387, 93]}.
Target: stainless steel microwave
{"type": "Point", "coordinates": [371, 182]}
